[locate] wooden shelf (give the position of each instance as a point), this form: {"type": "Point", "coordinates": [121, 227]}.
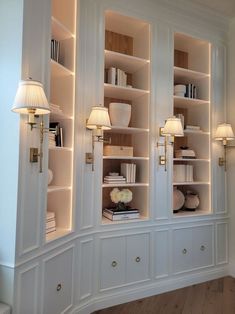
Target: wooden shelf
{"type": "Point", "coordinates": [126, 130]}
{"type": "Point", "coordinates": [60, 232]}
{"type": "Point", "coordinates": [58, 69]}
{"type": "Point", "coordinates": [182, 73]}
{"type": "Point", "coordinates": [106, 221]}
{"type": "Point", "coordinates": [191, 159]}
{"type": "Point", "coordinates": [62, 149]}
{"type": "Point", "coordinates": [126, 157]}
{"type": "Point", "coordinates": [54, 188]}
{"type": "Point", "coordinates": [125, 62]}
{"type": "Point", "coordinates": [197, 212]}
{"type": "Point", "coordinates": [185, 102]}
{"type": "Point", "coordinates": [113, 185]}
{"type": "Point", "coordinates": [121, 92]}
{"type": "Point", "coordinates": [59, 31]}
{"type": "Point", "coordinates": [191, 183]}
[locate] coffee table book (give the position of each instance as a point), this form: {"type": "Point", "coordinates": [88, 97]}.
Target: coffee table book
{"type": "Point", "coordinates": [113, 214]}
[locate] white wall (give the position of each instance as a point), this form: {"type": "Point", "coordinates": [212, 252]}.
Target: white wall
{"type": "Point", "coordinates": [11, 22]}
{"type": "Point", "coordinates": [231, 152]}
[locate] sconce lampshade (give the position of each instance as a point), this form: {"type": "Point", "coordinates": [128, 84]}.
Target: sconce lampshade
{"type": "Point", "coordinates": [99, 118]}
{"type": "Point", "coordinates": [173, 127]}
{"type": "Point", "coordinates": [30, 98]}
{"type": "Point", "coordinates": [224, 131]}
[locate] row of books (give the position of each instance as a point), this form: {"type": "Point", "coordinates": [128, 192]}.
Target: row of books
{"type": "Point", "coordinates": [115, 215]}
{"type": "Point", "coordinates": [50, 222]}
{"type": "Point", "coordinates": [183, 173]}
{"type": "Point", "coordinates": [191, 91]}
{"type": "Point", "coordinates": [114, 179]}
{"type": "Point", "coordinates": [55, 50]}
{"type": "Point", "coordinates": [117, 77]}
{"type": "Point", "coordinates": [55, 134]}
{"type": "Point", "coordinates": [128, 170]}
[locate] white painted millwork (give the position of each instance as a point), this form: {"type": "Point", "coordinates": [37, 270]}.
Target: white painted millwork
{"type": "Point", "coordinates": [90, 262]}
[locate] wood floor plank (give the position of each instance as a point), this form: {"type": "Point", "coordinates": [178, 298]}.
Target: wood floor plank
{"type": "Point", "coordinates": [212, 297]}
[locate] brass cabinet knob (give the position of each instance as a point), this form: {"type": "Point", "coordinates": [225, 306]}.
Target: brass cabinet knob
{"type": "Point", "coordinates": [114, 264]}
{"type": "Point", "coordinates": [59, 287]}
{"type": "Point", "coordinates": [184, 251]}
{"type": "Point", "coordinates": [202, 248]}
{"type": "Point", "coordinates": [137, 259]}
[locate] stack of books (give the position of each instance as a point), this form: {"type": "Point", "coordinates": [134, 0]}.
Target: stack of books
{"type": "Point", "coordinates": [50, 222]}
{"type": "Point", "coordinates": [55, 109]}
{"type": "Point", "coordinates": [51, 139]}
{"type": "Point", "coordinates": [54, 127]}
{"type": "Point", "coordinates": [185, 153]}
{"type": "Point", "coordinates": [114, 214]}
{"type": "Point", "coordinates": [193, 127]}
{"type": "Point", "coordinates": [191, 91]}
{"type": "Point", "coordinates": [129, 172]}
{"type": "Point", "coordinates": [114, 179]}
{"type": "Point", "coordinates": [55, 50]}
{"type": "Point", "coordinates": [117, 77]}
{"type": "Point", "coordinates": [183, 173]}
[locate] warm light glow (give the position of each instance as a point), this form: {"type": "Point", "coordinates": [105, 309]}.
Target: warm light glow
{"type": "Point", "coordinates": [31, 99]}
{"type": "Point", "coordinates": [173, 127]}
{"type": "Point", "coordinates": [99, 118]}
{"type": "Point", "coordinates": [224, 131]}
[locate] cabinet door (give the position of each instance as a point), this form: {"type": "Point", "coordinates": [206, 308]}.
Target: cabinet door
{"type": "Point", "coordinates": [202, 246]}
{"type": "Point", "coordinates": [112, 262]}
{"type": "Point", "coordinates": [137, 248]}
{"type": "Point", "coordinates": [57, 292]}
{"type": "Point", "coordinates": [182, 250]}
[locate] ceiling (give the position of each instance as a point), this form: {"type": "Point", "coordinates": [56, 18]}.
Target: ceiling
{"type": "Point", "coordinates": [224, 7]}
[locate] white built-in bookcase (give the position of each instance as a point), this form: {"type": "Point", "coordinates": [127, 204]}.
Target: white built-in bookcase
{"type": "Point", "coordinates": [196, 112]}
{"type": "Point", "coordinates": [127, 47]}
{"type": "Point", "coordinates": [62, 81]}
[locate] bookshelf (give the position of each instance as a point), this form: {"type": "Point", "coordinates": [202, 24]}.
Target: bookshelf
{"type": "Point", "coordinates": [62, 80]}
{"type": "Point", "coordinates": [192, 68]}
{"type": "Point", "coordinates": [127, 48]}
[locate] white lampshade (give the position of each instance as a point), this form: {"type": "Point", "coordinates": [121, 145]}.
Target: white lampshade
{"type": "Point", "coordinates": [224, 131]}
{"type": "Point", "coordinates": [99, 118]}
{"type": "Point", "coordinates": [173, 127]}
{"type": "Point", "coordinates": [30, 98]}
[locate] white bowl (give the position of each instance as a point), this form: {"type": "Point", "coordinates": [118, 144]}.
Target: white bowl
{"type": "Point", "coordinates": [120, 114]}
{"type": "Point", "coordinates": [180, 88]}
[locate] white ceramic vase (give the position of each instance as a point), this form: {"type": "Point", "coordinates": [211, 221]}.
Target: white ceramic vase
{"type": "Point", "coordinates": [120, 114]}
{"type": "Point", "coordinates": [178, 199]}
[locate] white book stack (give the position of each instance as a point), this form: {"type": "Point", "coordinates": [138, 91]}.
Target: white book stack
{"type": "Point", "coordinates": [114, 179]}
{"type": "Point", "coordinates": [51, 139]}
{"type": "Point", "coordinates": [129, 172]}
{"type": "Point", "coordinates": [55, 109]}
{"type": "Point", "coordinates": [50, 222]}
{"type": "Point", "coordinates": [193, 127]}
{"type": "Point", "coordinates": [117, 77]}
{"type": "Point", "coordinates": [183, 173]}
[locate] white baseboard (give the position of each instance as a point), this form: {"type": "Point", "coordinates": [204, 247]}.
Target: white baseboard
{"type": "Point", "coordinates": [231, 269]}
{"type": "Point", "coordinates": [129, 294]}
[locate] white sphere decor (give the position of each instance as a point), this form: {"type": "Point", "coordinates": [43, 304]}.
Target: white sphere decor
{"type": "Point", "coordinates": [191, 200]}
{"type": "Point", "coordinates": [49, 176]}
{"type": "Point", "coordinates": [178, 199]}
{"type": "Point", "coordinates": [120, 114]}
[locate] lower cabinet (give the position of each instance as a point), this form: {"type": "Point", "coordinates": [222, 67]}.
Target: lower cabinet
{"type": "Point", "coordinates": [193, 248]}
{"type": "Point", "coordinates": [124, 259]}
{"type": "Point", "coordinates": [58, 282]}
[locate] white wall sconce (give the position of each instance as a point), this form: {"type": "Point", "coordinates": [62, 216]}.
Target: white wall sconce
{"type": "Point", "coordinates": [224, 133]}
{"type": "Point", "coordinates": [172, 128]}
{"type": "Point", "coordinates": [30, 99]}
{"type": "Point", "coordinates": [98, 122]}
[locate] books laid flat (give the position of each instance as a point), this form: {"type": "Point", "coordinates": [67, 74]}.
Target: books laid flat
{"type": "Point", "coordinates": [185, 153]}
{"type": "Point", "coordinates": [115, 215]}
{"type": "Point", "coordinates": [114, 179]}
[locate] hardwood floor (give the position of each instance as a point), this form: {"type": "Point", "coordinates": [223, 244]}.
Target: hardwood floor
{"type": "Point", "coordinates": [212, 297]}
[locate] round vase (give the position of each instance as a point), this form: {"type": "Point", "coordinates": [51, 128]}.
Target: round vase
{"type": "Point", "coordinates": [191, 201]}
{"type": "Point", "coordinates": [49, 176]}
{"type": "Point", "coordinates": [120, 114]}
{"type": "Point", "coordinates": [178, 200]}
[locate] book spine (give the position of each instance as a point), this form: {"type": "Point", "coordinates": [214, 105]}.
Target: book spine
{"type": "Point", "coordinates": [121, 217]}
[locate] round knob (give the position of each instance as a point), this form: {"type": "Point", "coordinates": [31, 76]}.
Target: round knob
{"type": "Point", "coordinates": [137, 259]}
{"type": "Point", "coordinates": [59, 287]}
{"type": "Point", "coordinates": [202, 248]}
{"type": "Point", "coordinates": [184, 251]}
{"type": "Point", "coordinates": [114, 264]}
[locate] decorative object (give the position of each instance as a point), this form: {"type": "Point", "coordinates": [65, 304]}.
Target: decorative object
{"type": "Point", "coordinates": [191, 200]}
{"type": "Point", "coordinates": [178, 200]}
{"type": "Point", "coordinates": [120, 114]}
{"type": "Point", "coordinates": [173, 127]}
{"type": "Point", "coordinates": [30, 99]}
{"type": "Point", "coordinates": [224, 133]}
{"type": "Point", "coordinates": [121, 198]}
{"type": "Point", "coordinates": [49, 176]}
{"type": "Point", "coordinates": [180, 90]}
{"type": "Point", "coordinates": [98, 122]}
